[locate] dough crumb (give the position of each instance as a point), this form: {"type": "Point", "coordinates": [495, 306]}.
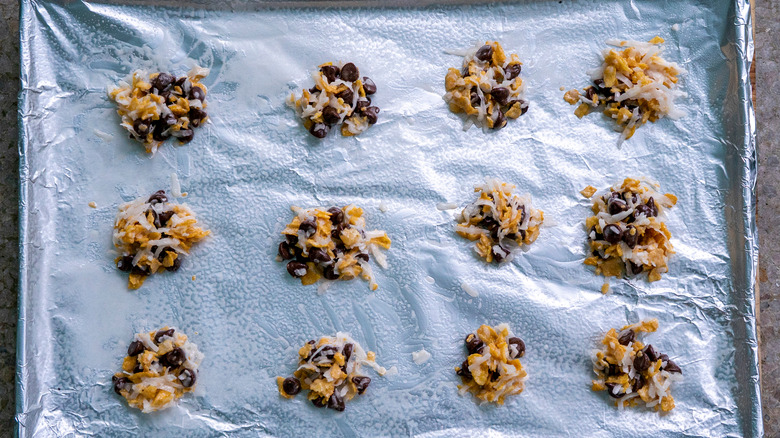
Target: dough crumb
{"type": "Point", "coordinates": [92, 204]}
{"type": "Point", "coordinates": [605, 288]}
{"type": "Point", "coordinates": [420, 357]}
{"type": "Point", "coordinates": [469, 290]}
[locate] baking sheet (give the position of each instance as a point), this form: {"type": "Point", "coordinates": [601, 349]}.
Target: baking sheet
{"type": "Point", "coordinates": [245, 168]}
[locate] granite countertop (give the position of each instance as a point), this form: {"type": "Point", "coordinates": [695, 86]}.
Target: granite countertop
{"type": "Point", "coordinates": [768, 124]}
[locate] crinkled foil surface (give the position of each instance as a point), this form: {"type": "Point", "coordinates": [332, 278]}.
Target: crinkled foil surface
{"type": "Point", "coordinates": [254, 160]}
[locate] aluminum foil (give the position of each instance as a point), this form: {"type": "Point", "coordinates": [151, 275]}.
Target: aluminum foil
{"type": "Point", "coordinates": [254, 160]}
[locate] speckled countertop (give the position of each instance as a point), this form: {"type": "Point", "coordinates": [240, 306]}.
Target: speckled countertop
{"type": "Point", "coordinates": [768, 122]}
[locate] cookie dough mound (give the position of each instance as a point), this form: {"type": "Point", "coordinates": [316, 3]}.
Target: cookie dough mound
{"type": "Point", "coordinates": [160, 367]}
{"type": "Point", "coordinates": [626, 234]}
{"type": "Point", "coordinates": [492, 371]}
{"type": "Point", "coordinates": [633, 86]}
{"type": "Point", "coordinates": [153, 235]}
{"type": "Point", "coordinates": [629, 370]}
{"type": "Point", "coordinates": [333, 244]}
{"type": "Point", "coordinates": [157, 106]}
{"type": "Point", "coordinates": [330, 370]}
{"type": "Point", "coordinates": [500, 221]}
{"type": "Point", "coordinates": [339, 96]}
{"type": "Point", "coordinates": [488, 88]}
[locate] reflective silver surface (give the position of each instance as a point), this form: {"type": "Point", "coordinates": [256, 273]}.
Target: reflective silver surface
{"type": "Point", "coordinates": [245, 168]}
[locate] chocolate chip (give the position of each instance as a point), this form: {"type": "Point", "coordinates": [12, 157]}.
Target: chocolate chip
{"type": "Point", "coordinates": [135, 348]}
{"type": "Point", "coordinates": [291, 239]}
{"type": "Point", "coordinates": [331, 72]}
{"type": "Point", "coordinates": [347, 351]}
{"type": "Point", "coordinates": [500, 121]}
{"type": "Point", "coordinates": [349, 72]}
{"type": "Point", "coordinates": [160, 128]}
{"type": "Point", "coordinates": [635, 269]}
{"type": "Point", "coordinates": [626, 337]}
{"type": "Point", "coordinates": [524, 107]}
{"type": "Point", "coordinates": [125, 264]}
{"type": "Point", "coordinates": [336, 402]}
{"type": "Point", "coordinates": [642, 209]}
{"type": "Point", "coordinates": [176, 264]}
{"type": "Point", "coordinates": [162, 333]}
{"type": "Point", "coordinates": [319, 130]}
{"type": "Point", "coordinates": [651, 353]}
{"type": "Point", "coordinates": [362, 104]}
{"type": "Point", "coordinates": [473, 344]}
{"type": "Point", "coordinates": [631, 236]}
{"type": "Point", "coordinates": [163, 81]}
{"type": "Point", "coordinates": [336, 215]}
{"type": "Point", "coordinates": [285, 252]}
{"type": "Point", "coordinates": [157, 197]}
{"type": "Point", "coordinates": [140, 270]}
{"type": "Point", "coordinates": [500, 94]}
{"type": "Point", "coordinates": [121, 383]}
{"type": "Point", "coordinates": [475, 100]}
{"type": "Point", "coordinates": [485, 53]}
{"type": "Point", "coordinates": [590, 93]}
{"type": "Point", "coordinates": [617, 205]}
{"type": "Point", "coordinates": [368, 85]}
{"type": "Point", "coordinates": [319, 255]}
{"type": "Point", "coordinates": [347, 95]}
{"type": "Point", "coordinates": [464, 370]}
{"type": "Point", "coordinates": [639, 382]}
{"type": "Point", "coordinates": [611, 387]}
{"type": "Point", "coordinates": [297, 269]}
{"type": "Point", "coordinates": [512, 71]}
{"type": "Point", "coordinates": [291, 386]}
{"type": "Point", "coordinates": [142, 127]}
{"type": "Point", "coordinates": [613, 370]}
{"type": "Point", "coordinates": [612, 233]}
{"type": "Point", "coordinates": [653, 209]}
{"type": "Point", "coordinates": [519, 345]}
{"type": "Point", "coordinates": [631, 196]}
{"type": "Point", "coordinates": [641, 361]}
{"type": "Point", "coordinates": [186, 135]}
{"type": "Point", "coordinates": [197, 93]}
{"type": "Point", "coordinates": [500, 253]}
{"type": "Point", "coordinates": [163, 218]}
{"type": "Point", "coordinates": [361, 383]}
{"type": "Point", "coordinates": [196, 117]}
{"type": "Point", "coordinates": [187, 378]}
{"type": "Point", "coordinates": [362, 256]}
{"type": "Point", "coordinates": [320, 402]}
{"type": "Point", "coordinates": [670, 366]}
{"type": "Point", "coordinates": [372, 114]}
{"type": "Point", "coordinates": [309, 227]}
{"type": "Point", "coordinates": [173, 358]}
{"type": "Point", "coordinates": [330, 115]}
{"type": "Point", "coordinates": [330, 273]}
